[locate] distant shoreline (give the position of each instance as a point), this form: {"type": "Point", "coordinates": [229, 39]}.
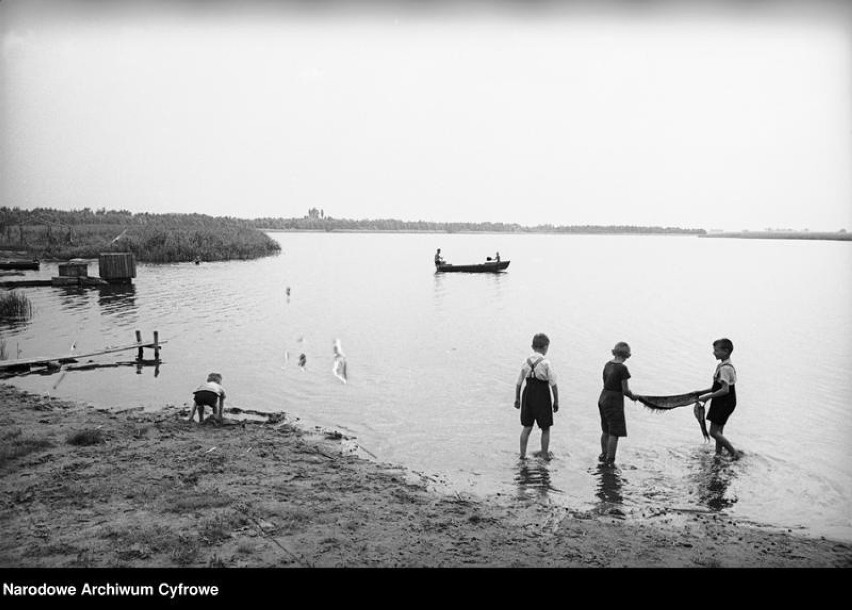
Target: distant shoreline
{"type": "Point", "coordinates": [798, 235]}
{"type": "Point", "coordinates": [808, 235]}
{"type": "Point", "coordinates": [475, 232]}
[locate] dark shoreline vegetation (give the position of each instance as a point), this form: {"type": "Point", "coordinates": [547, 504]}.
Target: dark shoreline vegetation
{"type": "Point", "coordinates": [154, 238]}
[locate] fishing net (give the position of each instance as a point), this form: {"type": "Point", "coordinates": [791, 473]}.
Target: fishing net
{"type": "Point", "coordinates": [661, 404]}
{"type": "Point", "coordinates": [666, 403]}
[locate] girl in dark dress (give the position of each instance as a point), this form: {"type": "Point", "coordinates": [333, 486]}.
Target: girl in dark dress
{"type": "Point", "coordinates": [611, 402]}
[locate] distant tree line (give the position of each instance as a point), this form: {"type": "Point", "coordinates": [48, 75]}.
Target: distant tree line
{"type": "Point", "coordinates": [314, 222]}
{"type": "Point", "coordinates": [160, 238]}
{"type": "Point", "coordinates": [102, 216]}
{"type": "Point", "coordinates": [840, 235]}
{"type": "Point", "coordinates": [84, 233]}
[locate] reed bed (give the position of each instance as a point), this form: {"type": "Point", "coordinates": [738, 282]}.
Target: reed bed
{"type": "Point", "coordinates": [153, 238]}
{"type": "Point", "coordinates": [15, 306]}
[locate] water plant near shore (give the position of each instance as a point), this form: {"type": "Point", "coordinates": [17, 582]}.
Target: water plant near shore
{"type": "Point", "coordinates": [15, 306]}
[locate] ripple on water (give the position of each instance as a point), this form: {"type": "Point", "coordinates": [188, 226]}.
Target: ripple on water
{"type": "Point", "coordinates": [435, 356]}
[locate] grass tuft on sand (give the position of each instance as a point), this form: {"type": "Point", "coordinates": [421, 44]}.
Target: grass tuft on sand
{"type": "Point", "coordinates": [14, 444]}
{"type": "Point", "coordinates": [84, 438]}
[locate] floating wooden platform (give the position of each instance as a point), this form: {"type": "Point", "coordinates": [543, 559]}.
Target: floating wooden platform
{"type": "Point", "coordinates": [55, 281]}
{"type": "Point", "coordinates": [113, 268]}
{"type": "Point", "coordinates": [19, 264]}
{"type": "Point", "coordinates": [24, 283]}
{"type": "Point", "coordinates": [80, 280]}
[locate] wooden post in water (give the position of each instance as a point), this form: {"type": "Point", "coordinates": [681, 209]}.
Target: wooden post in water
{"type": "Point", "coordinates": [156, 346]}
{"type": "Point", "coordinates": [117, 267]}
{"type": "Point", "coordinates": [140, 355]}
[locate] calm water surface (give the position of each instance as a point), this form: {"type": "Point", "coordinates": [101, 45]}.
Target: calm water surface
{"type": "Point", "coordinates": [433, 359]}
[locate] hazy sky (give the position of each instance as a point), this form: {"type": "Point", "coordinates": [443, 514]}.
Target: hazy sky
{"type": "Point", "coordinates": [714, 115]}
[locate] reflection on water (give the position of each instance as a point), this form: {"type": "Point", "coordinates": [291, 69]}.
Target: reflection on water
{"type": "Point", "coordinates": [492, 283]}
{"type": "Point", "coordinates": [73, 298]}
{"type": "Point", "coordinates": [712, 482]}
{"type": "Point", "coordinates": [533, 480]}
{"type": "Point", "coordinates": [609, 484]}
{"type": "Point", "coordinates": [117, 298]}
{"type": "Point", "coordinates": [14, 323]}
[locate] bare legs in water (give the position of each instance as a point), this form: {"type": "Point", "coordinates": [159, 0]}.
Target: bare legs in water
{"type": "Point", "coordinates": [609, 445]}
{"type": "Point", "coordinates": [722, 442]}
{"type": "Point", "coordinates": [545, 442]}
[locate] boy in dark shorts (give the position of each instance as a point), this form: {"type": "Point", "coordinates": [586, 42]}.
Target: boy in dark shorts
{"type": "Point", "coordinates": [611, 402]}
{"type": "Point", "coordinates": [722, 396]}
{"type": "Point", "coordinates": [210, 394]}
{"type": "Point", "coordinates": [536, 405]}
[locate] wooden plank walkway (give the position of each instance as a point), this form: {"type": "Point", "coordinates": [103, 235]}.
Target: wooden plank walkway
{"type": "Point", "coordinates": [84, 281]}
{"type": "Point", "coordinates": [24, 283]}
{"type": "Point", "coordinates": [139, 345]}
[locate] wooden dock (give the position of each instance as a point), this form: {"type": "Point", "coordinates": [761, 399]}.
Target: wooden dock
{"type": "Point", "coordinates": [77, 281]}
{"type": "Point", "coordinates": [24, 283]}
{"type": "Point", "coordinates": [113, 268]}
{"type": "Point", "coordinates": [58, 361]}
{"type": "Point", "coordinates": [19, 264]}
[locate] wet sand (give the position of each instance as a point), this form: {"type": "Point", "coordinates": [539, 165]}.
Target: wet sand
{"type": "Point", "coordinates": [151, 490]}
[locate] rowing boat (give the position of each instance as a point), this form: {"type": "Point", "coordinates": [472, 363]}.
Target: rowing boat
{"type": "Point", "coordinates": [487, 267]}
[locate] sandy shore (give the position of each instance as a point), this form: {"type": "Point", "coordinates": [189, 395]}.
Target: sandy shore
{"type": "Point", "coordinates": [94, 489]}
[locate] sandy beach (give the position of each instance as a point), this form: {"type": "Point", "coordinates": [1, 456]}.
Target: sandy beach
{"type": "Point", "coordinates": [87, 488]}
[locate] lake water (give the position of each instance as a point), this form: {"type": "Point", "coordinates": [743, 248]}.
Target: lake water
{"type": "Point", "coordinates": [433, 359]}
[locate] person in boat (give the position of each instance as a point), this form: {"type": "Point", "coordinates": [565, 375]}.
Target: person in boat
{"type": "Point", "coordinates": [611, 402]}
{"type": "Point", "coordinates": [439, 260]}
{"type": "Point", "coordinates": [209, 394]}
{"type": "Point", "coordinates": [537, 407]}
{"type": "Point", "coordinates": [722, 396]}
{"type": "Point", "coordinates": [497, 257]}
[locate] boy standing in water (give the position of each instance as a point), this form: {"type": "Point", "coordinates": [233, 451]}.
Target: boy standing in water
{"type": "Point", "coordinates": [536, 405]}
{"type": "Point", "coordinates": [723, 396]}
{"type": "Point", "coordinates": [611, 402]}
